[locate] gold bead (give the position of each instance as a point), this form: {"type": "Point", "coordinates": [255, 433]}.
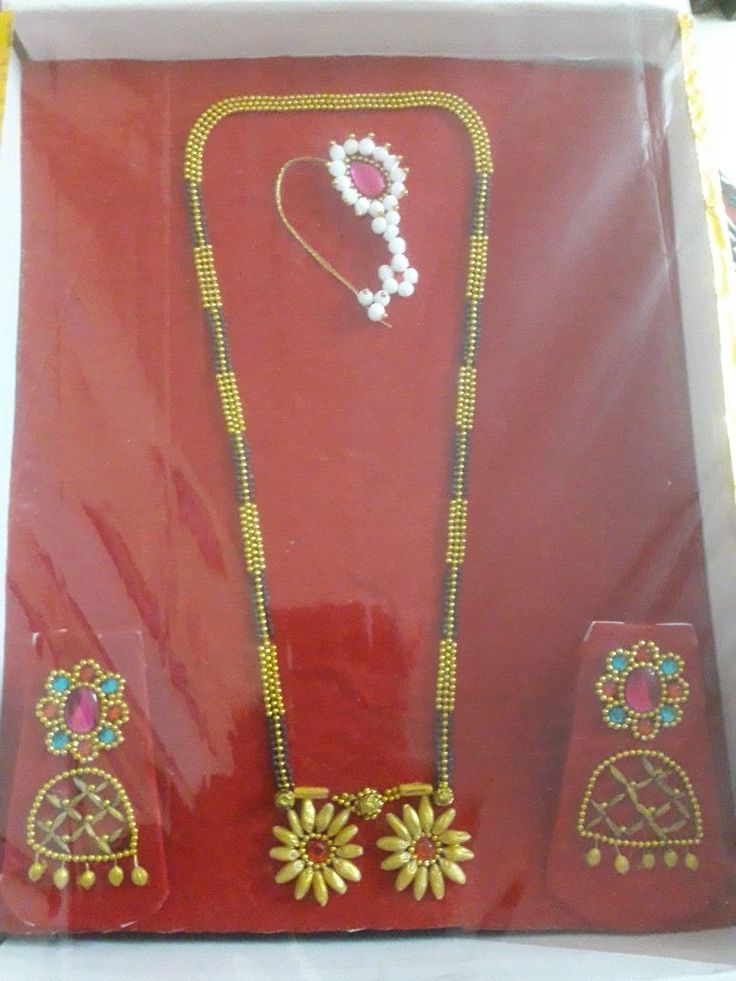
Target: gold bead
{"type": "Point", "coordinates": [61, 877]}
{"type": "Point", "coordinates": [671, 858]}
{"type": "Point", "coordinates": [285, 799]}
{"type": "Point", "coordinates": [115, 876]}
{"type": "Point", "coordinates": [443, 796]}
{"type": "Point", "coordinates": [139, 876]}
{"type": "Point", "coordinates": [36, 871]}
{"type": "Point", "coordinates": [621, 864]}
{"type": "Point", "coordinates": [87, 879]}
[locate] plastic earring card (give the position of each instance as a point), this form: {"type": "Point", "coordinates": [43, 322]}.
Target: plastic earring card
{"type": "Point", "coordinates": [359, 545]}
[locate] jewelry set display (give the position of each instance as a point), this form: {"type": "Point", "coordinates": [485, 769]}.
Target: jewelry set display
{"type": "Point", "coordinates": [640, 801]}
{"type": "Point", "coordinates": [83, 817]}
{"type": "Point", "coordinates": [317, 846]}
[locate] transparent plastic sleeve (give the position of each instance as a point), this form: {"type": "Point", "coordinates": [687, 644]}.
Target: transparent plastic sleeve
{"type": "Point", "coordinates": [370, 552]}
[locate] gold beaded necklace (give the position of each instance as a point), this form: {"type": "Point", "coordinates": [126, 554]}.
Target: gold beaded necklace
{"type": "Point", "coordinates": [316, 847]}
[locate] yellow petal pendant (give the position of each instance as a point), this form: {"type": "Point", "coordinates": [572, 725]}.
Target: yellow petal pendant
{"type": "Point", "coordinates": [426, 815]}
{"type": "Point", "coordinates": [398, 827]}
{"type": "Point", "coordinates": [395, 861]}
{"type": "Point", "coordinates": [452, 871]}
{"type": "Point", "coordinates": [406, 875]}
{"type": "Point", "coordinates": [325, 815]}
{"type": "Point", "coordinates": [319, 888]}
{"type": "Point", "coordinates": [334, 881]}
{"type": "Point", "coordinates": [346, 869]}
{"type": "Point", "coordinates": [303, 883]}
{"type": "Point", "coordinates": [420, 882]}
{"type": "Point", "coordinates": [436, 882]}
{"type": "Point", "coordinates": [285, 837]}
{"type": "Point", "coordinates": [308, 816]}
{"type": "Point", "coordinates": [346, 835]}
{"type": "Point", "coordinates": [289, 871]}
{"type": "Point", "coordinates": [443, 822]}
{"type": "Point", "coordinates": [411, 820]}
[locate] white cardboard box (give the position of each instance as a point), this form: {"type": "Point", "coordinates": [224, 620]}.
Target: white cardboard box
{"type": "Point", "coordinates": [643, 31]}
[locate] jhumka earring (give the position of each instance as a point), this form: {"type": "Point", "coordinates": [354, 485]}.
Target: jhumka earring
{"type": "Point", "coordinates": [372, 182]}
{"type": "Point", "coordinates": [83, 817]}
{"type": "Point", "coordinates": [640, 801]}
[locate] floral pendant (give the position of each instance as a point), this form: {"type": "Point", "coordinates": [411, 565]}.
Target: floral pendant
{"type": "Point", "coordinates": [317, 851]}
{"type": "Point", "coordinates": [425, 850]}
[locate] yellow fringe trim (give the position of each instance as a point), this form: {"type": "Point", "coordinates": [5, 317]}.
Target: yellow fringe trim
{"type": "Point", "coordinates": [6, 36]}
{"type": "Point", "coordinates": [717, 229]}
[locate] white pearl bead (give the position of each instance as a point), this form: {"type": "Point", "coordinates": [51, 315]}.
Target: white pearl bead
{"type": "Point", "coordinates": [397, 175]}
{"type": "Point", "coordinates": [375, 209]}
{"type": "Point", "coordinates": [350, 196]}
{"type": "Point", "coordinates": [385, 272]}
{"type": "Point", "coordinates": [361, 206]}
{"type": "Point", "coordinates": [341, 183]}
{"type": "Point", "coordinates": [390, 285]}
{"type": "Point", "coordinates": [390, 162]}
{"type": "Point", "coordinates": [406, 289]}
{"type": "Point", "coordinates": [390, 202]}
{"type": "Point", "coordinates": [337, 152]}
{"type": "Point", "coordinates": [399, 263]}
{"type": "Point", "coordinates": [366, 146]}
{"type": "Point", "coordinates": [382, 297]}
{"type": "Point", "coordinates": [379, 225]}
{"type": "Point", "coordinates": [337, 167]}
{"type": "Point", "coordinates": [365, 298]}
{"type": "Point", "coordinates": [411, 275]}
{"type": "Point", "coordinates": [391, 232]}
{"type": "Point", "coordinates": [350, 145]}
{"type": "Point", "coordinates": [398, 190]}
{"type": "Point", "coordinates": [380, 153]}
{"type": "Point", "coordinates": [396, 246]}
{"type": "Point", "coordinates": [376, 311]}
{"type": "Point", "coordinates": [393, 218]}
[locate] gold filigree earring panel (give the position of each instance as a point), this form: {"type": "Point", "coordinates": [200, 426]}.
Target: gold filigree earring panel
{"type": "Point", "coordinates": [82, 818]}
{"type": "Point", "coordinates": [641, 805]}
{"type": "Point", "coordinates": [638, 844]}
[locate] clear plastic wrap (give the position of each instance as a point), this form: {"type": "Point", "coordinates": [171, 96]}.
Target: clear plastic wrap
{"type": "Point", "coordinates": [477, 554]}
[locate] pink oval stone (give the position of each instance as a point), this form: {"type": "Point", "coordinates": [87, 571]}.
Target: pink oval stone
{"type": "Point", "coordinates": [367, 179]}
{"type": "Point", "coordinates": [642, 690]}
{"type": "Point", "coordinates": [82, 712]}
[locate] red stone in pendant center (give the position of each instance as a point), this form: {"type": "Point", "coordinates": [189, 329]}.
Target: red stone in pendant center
{"type": "Point", "coordinates": [425, 849]}
{"type": "Point", "coordinates": [317, 850]}
{"type": "Point", "coordinates": [82, 712]}
{"type": "Point", "coordinates": [367, 179]}
{"type": "Point", "coordinates": [643, 690]}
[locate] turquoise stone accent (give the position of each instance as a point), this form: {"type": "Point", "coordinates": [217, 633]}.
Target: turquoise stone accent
{"type": "Point", "coordinates": [60, 684]}
{"type": "Point", "coordinates": [110, 686]}
{"type": "Point", "coordinates": [107, 736]}
{"type": "Point", "coordinates": [617, 715]}
{"type": "Point", "coordinates": [669, 666]}
{"type": "Point", "coordinates": [668, 713]}
{"type": "Point", "coordinates": [619, 662]}
{"type": "Point", "coordinates": [59, 740]}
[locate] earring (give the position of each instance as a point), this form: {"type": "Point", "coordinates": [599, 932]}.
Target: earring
{"type": "Point", "coordinates": [83, 816]}
{"type": "Point", "coordinates": [640, 800]}
{"type": "Point", "coordinates": [372, 181]}
{"type": "Point", "coordinates": [642, 689]}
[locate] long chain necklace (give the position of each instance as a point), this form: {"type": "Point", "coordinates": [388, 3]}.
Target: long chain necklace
{"type": "Point", "coordinates": [316, 847]}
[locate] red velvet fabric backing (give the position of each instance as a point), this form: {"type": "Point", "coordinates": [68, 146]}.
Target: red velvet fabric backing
{"type": "Point", "coordinates": [582, 490]}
